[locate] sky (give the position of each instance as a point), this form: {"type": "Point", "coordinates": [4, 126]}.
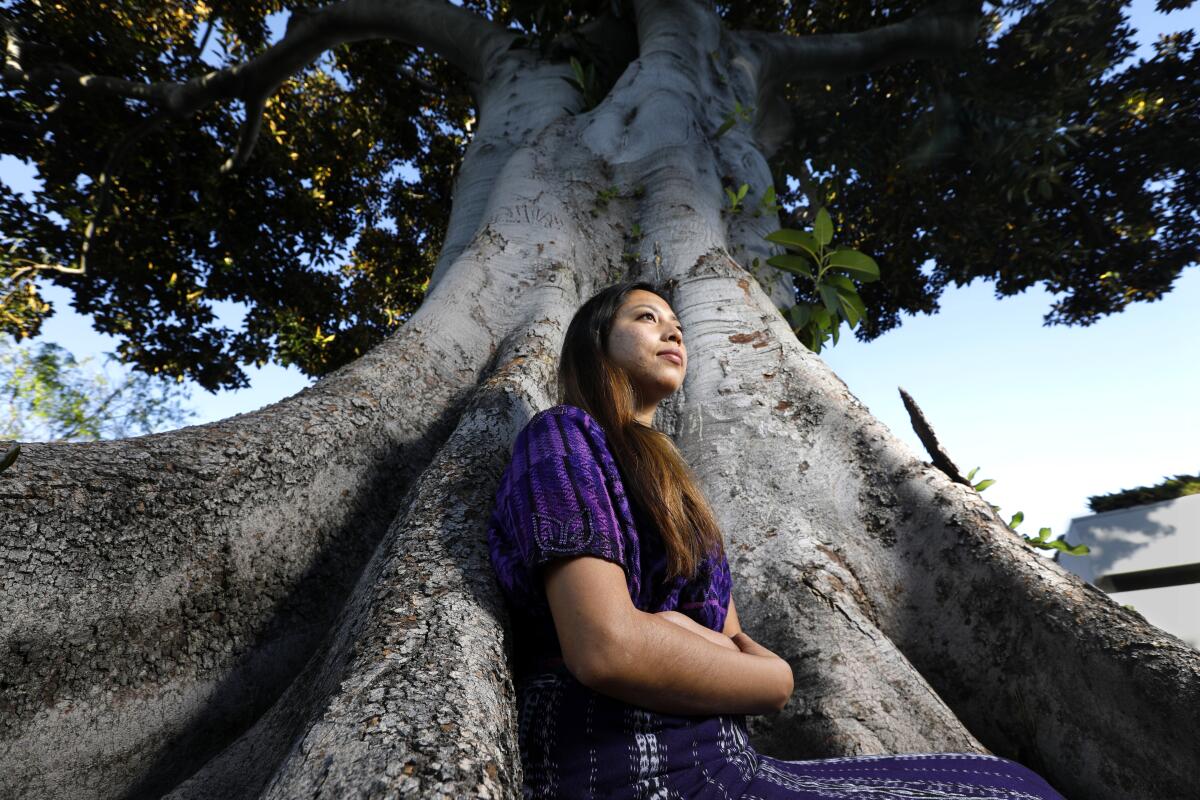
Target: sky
{"type": "Point", "coordinates": [1053, 414]}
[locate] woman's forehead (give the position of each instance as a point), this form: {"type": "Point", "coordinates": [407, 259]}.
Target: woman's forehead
{"type": "Point", "coordinates": [644, 298]}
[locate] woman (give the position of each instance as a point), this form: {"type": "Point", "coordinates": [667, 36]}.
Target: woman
{"type": "Point", "coordinates": [633, 674]}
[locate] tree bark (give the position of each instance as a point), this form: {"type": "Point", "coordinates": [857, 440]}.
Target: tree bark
{"type": "Point", "coordinates": [299, 600]}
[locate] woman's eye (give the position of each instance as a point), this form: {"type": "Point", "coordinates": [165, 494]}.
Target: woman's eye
{"type": "Point", "coordinates": [647, 314]}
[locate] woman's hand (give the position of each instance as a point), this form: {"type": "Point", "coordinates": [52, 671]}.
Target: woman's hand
{"type": "Point", "coordinates": [686, 622]}
{"type": "Point", "coordinates": [744, 643]}
{"type": "Point", "coordinates": [751, 647]}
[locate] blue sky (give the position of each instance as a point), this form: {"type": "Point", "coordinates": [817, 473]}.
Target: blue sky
{"type": "Point", "coordinates": [1053, 414]}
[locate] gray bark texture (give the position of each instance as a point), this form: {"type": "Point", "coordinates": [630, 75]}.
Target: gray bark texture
{"type": "Point", "coordinates": [298, 602]}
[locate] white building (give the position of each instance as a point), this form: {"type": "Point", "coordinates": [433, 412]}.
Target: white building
{"type": "Point", "coordinates": [1164, 534]}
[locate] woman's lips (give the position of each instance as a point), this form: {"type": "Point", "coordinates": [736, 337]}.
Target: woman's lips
{"type": "Point", "coordinates": [671, 357]}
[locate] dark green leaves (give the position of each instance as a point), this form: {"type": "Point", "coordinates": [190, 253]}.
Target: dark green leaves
{"type": "Point", "coordinates": [795, 240]}
{"type": "Point", "coordinates": [832, 273]}
{"type": "Point", "coordinates": [736, 198]}
{"type": "Point", "coordinates": [768, 203]}
{"type": "Point", "coordinates": [823, 227]}
{"type": "Point", "coordinates": [857, 265]}
{"type": "Point", "coordinates": [584, 79]}
{"type": "Point", "coordinates": [739, 113]}
{"type": "Point", "coordinates": [330, 229]}
{"type": "Point", "coordinates": [796, 264]}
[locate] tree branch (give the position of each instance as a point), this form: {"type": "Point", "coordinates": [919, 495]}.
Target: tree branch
{"type": "Point", "coordinates": [824, 56]}
{"type": "Point", "coordinates": [249, 134]}
{"type": "Point", "coordinates": [463, 38]}
{"type": "Point", "coordinates": [928, 438]}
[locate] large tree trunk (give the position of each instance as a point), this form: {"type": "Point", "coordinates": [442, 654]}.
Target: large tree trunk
{"type": "Point", "coordinates": [299, 601]}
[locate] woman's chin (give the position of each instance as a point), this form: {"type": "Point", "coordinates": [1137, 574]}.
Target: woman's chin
{"type": "Point", "coordinates": [671, 387]}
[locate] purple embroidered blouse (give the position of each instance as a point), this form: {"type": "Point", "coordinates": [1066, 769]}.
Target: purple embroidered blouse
{"type": "Point", "coordinates": [561, 495]}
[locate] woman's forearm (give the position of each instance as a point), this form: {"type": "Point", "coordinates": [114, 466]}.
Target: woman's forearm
{"type": "Point", "coordinates": [689, 624]}
{"type": "Point", "coordinates": [659, 665]}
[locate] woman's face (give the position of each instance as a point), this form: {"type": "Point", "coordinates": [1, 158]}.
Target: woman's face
{"type": "Point", "coordinates": [646, 340]}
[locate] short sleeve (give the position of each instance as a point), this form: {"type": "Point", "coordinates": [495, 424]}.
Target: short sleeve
{"type": "Point", "coordinates": [560, 496]}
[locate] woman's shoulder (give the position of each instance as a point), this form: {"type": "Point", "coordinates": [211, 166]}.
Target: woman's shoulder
{"type": "Point", "coordinates": [567, 412]}
{"type": "Point", "coordinates": [563, 427]}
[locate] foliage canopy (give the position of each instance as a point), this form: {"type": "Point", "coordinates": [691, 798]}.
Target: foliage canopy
{"type": "Point", "coordinates": [1027, 159]}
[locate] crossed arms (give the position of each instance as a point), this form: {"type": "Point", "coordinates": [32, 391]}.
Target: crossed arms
{"type": "Point", "coordinates": [665, 662]}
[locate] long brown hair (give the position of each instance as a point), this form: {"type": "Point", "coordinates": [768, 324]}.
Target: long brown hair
{"type": "Point", "coordinates": [658, 479]}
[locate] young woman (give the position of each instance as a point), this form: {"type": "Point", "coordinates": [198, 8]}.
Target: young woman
{"type": "Point", "coordinates": [633, 674]}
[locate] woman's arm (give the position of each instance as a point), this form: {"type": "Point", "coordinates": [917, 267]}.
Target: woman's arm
{"type": "Point", "coordinates": [618, 650]}
{"type": "Point", "coordinates": [689, 624]}
{"type": "Point", "coordinates": [732, 624]}
{"type": "Point", "coordinates": [661, 666]}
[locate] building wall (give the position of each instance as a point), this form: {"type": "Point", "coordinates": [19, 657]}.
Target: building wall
{"type": "Point", "coordinates": [1145, 537]}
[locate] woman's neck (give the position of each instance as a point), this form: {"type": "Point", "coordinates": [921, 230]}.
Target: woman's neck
{"type": "Point", "coordinates": [646, 416]}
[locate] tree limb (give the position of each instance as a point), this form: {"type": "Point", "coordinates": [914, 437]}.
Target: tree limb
{"type": "Point", "coordinates": [249, 134]}
{"type": "Point", "coordinates": [928, 438]}
{"type": "Point", "coordinates": [825, 56]}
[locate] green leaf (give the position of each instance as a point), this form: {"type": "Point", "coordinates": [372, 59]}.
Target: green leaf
{"type": "Point", "coordinates": [823, 227]}
{"type": "Point", "coordinates": [799, 315]}
{"type": "Point", "coordinates": [796, 264]}
{"type": "Point", "coordinates": [829, 296]}
{"type": "Point", "coordinates": [979, 487]}
{"type": "Point", "coordinates": [741, 193]}
{"type": "Point", "coordinates": [768, 198]}
{"type": "Point", "coordinates": [857, 304]}
{"type": "Point", "coordinates": [1060, 545]}
{"type": "Point", "coordinates": [852, 305]}
{"type": "Point", "coordinates": [800, 241]}
{"type": "Point", "coordinates": [841, 282]}
{"type": "Point", "coordinates": [859, 265]}
{"type": "Point", "coordinates": [1016, 519]}
{"type": "Point", "coordinates": [852, 308]}
{"type": "Point", "coordinates": [822, 317]}
{"type": "Point", "coordinates": [971, 474]}
{"type": "Point", "coordinates": [835, 332]}
{"type": "Point", "coordinates": [729, 122]}
{"type": "Point", "coordinates": [1044, 534]}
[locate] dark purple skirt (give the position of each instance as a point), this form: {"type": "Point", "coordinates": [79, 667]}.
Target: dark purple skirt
{"type": "Point", "coordinates": [577, 743]}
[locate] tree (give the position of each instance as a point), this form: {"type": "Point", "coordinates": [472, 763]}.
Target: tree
{"type": "Point", "coordinates": [298, 600]}
{"type": "Point", "coordinates": [50, 395]}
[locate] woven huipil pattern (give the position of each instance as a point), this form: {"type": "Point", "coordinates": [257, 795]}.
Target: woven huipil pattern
{"type": "Point", "coordinates": [562, 495]}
